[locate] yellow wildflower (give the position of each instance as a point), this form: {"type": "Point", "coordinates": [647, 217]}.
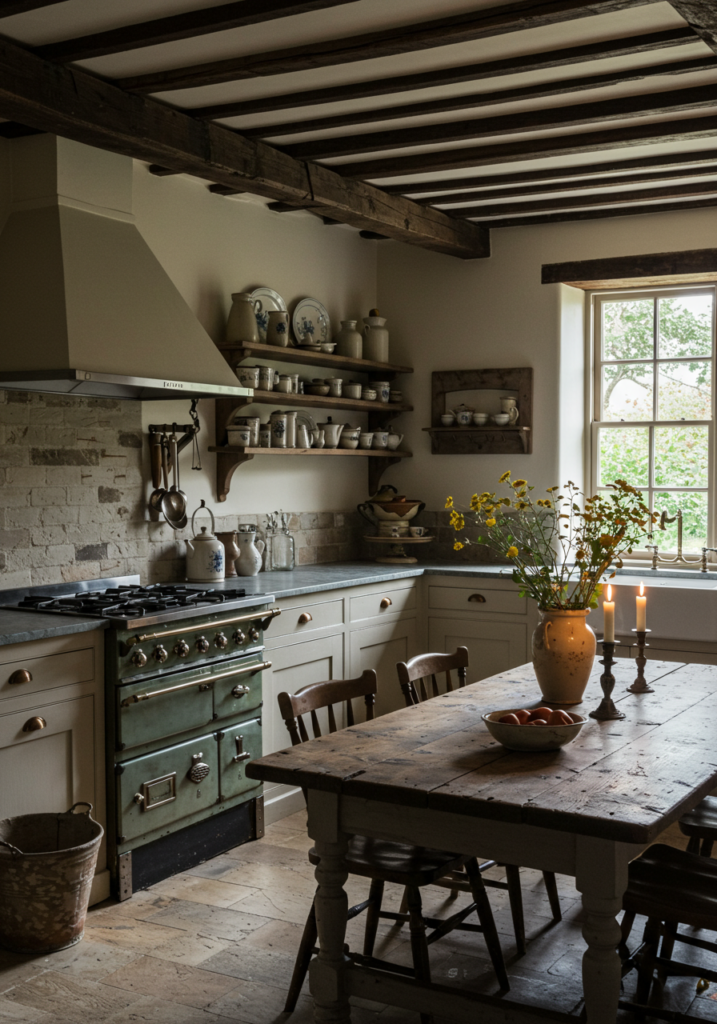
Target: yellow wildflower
{"type": "Point", "coordinates": [506, 476]}
{"type": "Point", "coordinates": [459, 523]}
{"type": "Point", "coordinates": [512, 552]}
{"type": "Point", "coordinates": [449, 503]}
{"type": "Point", "coordinates": [490, 522]}
{"type": "Point", "coordinates": [520, 505]}
{"type": "Point", "coordinates": [520, 483]}
{"type": "Point", "coordinates": [457, 546]}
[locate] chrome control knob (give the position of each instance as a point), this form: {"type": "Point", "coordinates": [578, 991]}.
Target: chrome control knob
{"type": "Point", "coordinates": [160, 653]}
{"type": "Point", "coordinates": [240, 691]}
{"type": "Point", "coordinates": [239, 637]}
{"type": "Point", "coordinates": [138, 799]}
{"type": "Point", "coordinates": [220, 641]}
{"type": "Point", "coordinates": [253, 633]}
{"type": "Point", "coordinates": [202, 645]}
{"type": "Point", "coordinates": [139, 658]}
{"type": "Point", "coordinates": [181, 648]}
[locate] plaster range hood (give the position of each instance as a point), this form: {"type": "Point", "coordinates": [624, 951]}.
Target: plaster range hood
{"type": "Point", "coordinates": [85, 306]}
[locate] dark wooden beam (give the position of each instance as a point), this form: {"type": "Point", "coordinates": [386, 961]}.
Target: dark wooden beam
{"type": "Point", "coordinates": [13, 130]}
{"type": "Point", "coordinates": [76, 104]}
{"type": "Point", "coordinates": [461, 28]}
{"type": "Point", "coordinates": [701, 15]}
{"type": "Point", "coordinates": [481, 99]}
{"type": "Point", "coordinates": [449, 186]}
{"type": "Point", "coordinates": [10, 7]}
{"type": "Point", "coordinates": [161, 172]}
{"type": "Point", "coordinates": [533, 149]}
{"type": "Point", "coordinates": [180, 26]}
{"type": "Point", "coordinates": [556, 203]}
{"type": "Point", "coordinates": [626, 46]}
{"type": "Point", "coordinates": [578, 185]}
{"type": "Point", "coordinates": [225, 190]}
{"type": "Point", "coordinates": [624, 211]}
{"type": "Point", "coordinates": [473, 128]}
{"type": "Point", "coordinates": [587, 273]}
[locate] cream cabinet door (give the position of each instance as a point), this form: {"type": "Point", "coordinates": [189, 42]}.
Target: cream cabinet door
{"type": "Point", "coordinates": [47, 769]}
{"type": "Point", "coordinates": [379, 648]}
{"type": "Point", "coordinates": [492, 646]}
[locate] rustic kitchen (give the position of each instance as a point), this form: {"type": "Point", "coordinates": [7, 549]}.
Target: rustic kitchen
{"type": "Point", "coordinates": [310, 706]}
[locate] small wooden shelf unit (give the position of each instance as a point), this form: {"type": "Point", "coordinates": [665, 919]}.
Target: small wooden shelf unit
{"type": "Point", "coordinates": [490, 439]}
{"type": "Point", "coordinates": [229, 457]}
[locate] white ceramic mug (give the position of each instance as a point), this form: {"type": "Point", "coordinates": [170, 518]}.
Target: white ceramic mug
{"type": "Point", "coordinates": [248, 376]}
{"type": "Point", "coordinates": [352, 390]}
{"type": "Point", "coordinates": [380, 439]}
{"type": "Point", "coordinates": [480, 418]}
{"type": "Point", "coordinates": [240, 436]}
{"type": "Point", "coordinates": [266, 378]}
{"type": "Point", "coordinates": [265, 435]}
{"type": "Point", "coordinates": [448, 419]}
{"type": "Point", "coordinates": [278, 429]}
{"type": "Point", "coordinates": [501, 419]}
{"type": "Point", "coordinates": [366, 440]}
{"type": "Point", "coordinates": [253, 423]}
{"type": "Point", "coordinates": [284, 385]}
{"type": "Point", "coordinates": [335, 386]}
{"type": "Point", "coordinates": [417, 531]}
{"type": "Point", "coordinates": [382, 389]}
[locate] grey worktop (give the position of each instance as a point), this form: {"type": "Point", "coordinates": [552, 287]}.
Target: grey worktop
{"type": "Point", "coordinates": [19, 627]}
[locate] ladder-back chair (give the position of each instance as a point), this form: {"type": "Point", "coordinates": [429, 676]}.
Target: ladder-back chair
{"type": "Point", "coordinates": [382, 861]}
{"type": "Point", "coordinates": [419, 679]}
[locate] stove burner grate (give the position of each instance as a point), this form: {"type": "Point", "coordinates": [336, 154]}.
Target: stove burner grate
{"type": "Point", "coordinates": [130, 602]}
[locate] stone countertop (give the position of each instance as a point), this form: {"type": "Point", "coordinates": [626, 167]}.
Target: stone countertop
{"type": "Point", "coordinates": [19, 627]}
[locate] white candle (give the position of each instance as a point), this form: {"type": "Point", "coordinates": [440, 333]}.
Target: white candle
{"type": "Point", "coordinates": [641, 603]}
{"type": "Point", "coordinates": [608, 610]}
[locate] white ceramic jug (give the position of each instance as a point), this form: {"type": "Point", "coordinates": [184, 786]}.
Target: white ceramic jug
{"type": "Point", "coordinates": [205, 554]}
{"type": "Point", "coordinates": [250, 551]}
{"type": "Point", "coordinates": [242, 325]}
{"type": "Point", "coordinates": [375, 339]}
{"type": "Point", "coordinates": [509, 405]}
{"type": "Point", "coordinates": [332, 432]}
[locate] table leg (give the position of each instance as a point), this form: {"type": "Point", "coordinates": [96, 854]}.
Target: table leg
{"type": "Point", "coordinates": [601, 877]}
{"type": "Point", "coordinates": [331, 1005]}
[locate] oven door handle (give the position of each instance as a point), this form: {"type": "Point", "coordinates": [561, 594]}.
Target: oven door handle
{"type": "Point", "coordinates": [203, 682]}
{"type": "Point", "coordinates": [266, 618]}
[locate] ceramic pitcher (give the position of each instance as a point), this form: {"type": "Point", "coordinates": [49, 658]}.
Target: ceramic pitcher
{"type": "Point", "coordinates": [332, 432]}
{"type": "Point", "coordinates": [375, 339]}
{"type": "Point", "coordinates": [250, 551]}
{"type": "Point", "coordinates": [508, 405]}
{"type": "Point", "coordinates": [242, 325]}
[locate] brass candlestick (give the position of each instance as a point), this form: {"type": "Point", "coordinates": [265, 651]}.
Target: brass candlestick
{"type": "Point", "coordinates": [641, 685]}
{"type": "Point", "coordinates": [607, 712]}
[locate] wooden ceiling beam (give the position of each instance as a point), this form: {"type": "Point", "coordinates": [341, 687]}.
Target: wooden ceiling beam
{"type": "Point", "coordinates": [180, 26]}
{"type": "Point", "coordinates": [532, 149]}
{"type": "Point", "coordinates": [620, 198]}
{"type": "Point", "coordinates": [77, 105]}
{"type": "Point", "coordinates": [10, 7]}
{"type": "Point", "coordinates": [461, 28]}
{"type": "Point", "coordinates": [474, 128]}
{"type": "Point", "coordinates": [561, 87]}
{"type": "Point", "coordinates": [626, 46]}
{"type": "Point", "coordinates": [623, 211]}
{"type": "Point", "coordinates": [684, 263]}
{"type": "Point", "coordinates": [450, 186]}
{"type": "Point", "coordinates": [700, 15]}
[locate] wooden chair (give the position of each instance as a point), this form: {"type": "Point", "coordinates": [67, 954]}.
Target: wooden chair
{"type": "Point", "coordinates": [382, 861]}
{"type": "Point", "coordinates": [418, 679]}
{"type": "Point", "coordinates": [669, 887]}
{"type": "Point", "coordinates": [700, 825]}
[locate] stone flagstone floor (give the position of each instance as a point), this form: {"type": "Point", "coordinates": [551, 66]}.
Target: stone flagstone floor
{"type": "Point", "coordinates": [218, 944]}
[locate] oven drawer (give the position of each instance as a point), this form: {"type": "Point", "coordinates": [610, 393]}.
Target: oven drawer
{"type": "Point", "coordinates": [234, 745]}
{"type": "Point", "coordinates": [240, 693]}
{"type": "Point", "coordinates": [156, 790]}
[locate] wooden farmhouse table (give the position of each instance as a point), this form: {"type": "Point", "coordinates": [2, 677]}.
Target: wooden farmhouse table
{"type": "Point", "coordinates": [432, 775]}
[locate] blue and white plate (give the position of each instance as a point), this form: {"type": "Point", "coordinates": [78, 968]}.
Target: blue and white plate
{"type": "Point", "coordinates": [265, 301]}
{"type": "Point", "coordinates": [311, 322]}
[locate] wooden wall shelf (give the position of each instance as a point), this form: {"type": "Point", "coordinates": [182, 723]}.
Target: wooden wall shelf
{"type": "Point", "coordinates": [490, 439]}
{"type": "Point", "coordinates": [317, 402]}
{"type": "Point", "coordinates": [296, 355]}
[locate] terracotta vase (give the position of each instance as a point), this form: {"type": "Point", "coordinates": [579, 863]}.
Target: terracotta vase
{"type": "Point", "coordinates": [563, 654]}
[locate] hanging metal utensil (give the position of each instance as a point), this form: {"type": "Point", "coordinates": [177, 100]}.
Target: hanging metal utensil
{"type": "Point", "coordinates": [155, 498]}
{"type": "Point", "coordinates": [196, 456]}
{"type": "Point", "coordinates": [174, 501]}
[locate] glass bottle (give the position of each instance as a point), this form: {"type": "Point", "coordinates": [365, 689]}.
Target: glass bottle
{"type": "Point", "coordinates": [282, 548]}
{"type": "Point", "coordinates": [270, 533]}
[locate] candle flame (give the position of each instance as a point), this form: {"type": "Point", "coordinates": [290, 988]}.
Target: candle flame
{"type": "Point", "coordinates": [642, 590]}
{"type": "Point", "coordinates": [609, 592]}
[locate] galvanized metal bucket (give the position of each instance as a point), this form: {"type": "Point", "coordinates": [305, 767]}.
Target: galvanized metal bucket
{"type": "Point", "coordinates": [47, 863]}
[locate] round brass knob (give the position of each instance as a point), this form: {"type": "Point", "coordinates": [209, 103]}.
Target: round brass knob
{"type": "Point", "coordinates": [253, 633]}
{"type": "Point", "coordinates": [139, 658]}
{"type": "Point", "coordinates": [220, 641]}
{"type": "Point", "coordinates": [305, 617]}
{"type": "Point", "coordinates": [160, 653]}
{"type": "Point", "coordinates": [240, 691]}
{"type": "Point", "coordinates": [239, 637]}
{"type": "Point", "coordinates": [181, 648]}
{"type": "Point", "coordinates": [386, 602]}
{"type": "Point", "coordinates": [33, 724]}
{"type": "Point", "coordinates": [21, 675]}
{"type": "Point", "coordinates": [477, 598]}
{"type": "Point", "coordinates": [202, 645]}
{"type": "Point", "coordinates": [138, 799]}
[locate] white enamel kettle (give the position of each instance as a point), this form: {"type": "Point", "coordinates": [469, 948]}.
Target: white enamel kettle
{"type": "Point", "coordinates": [205, 554]}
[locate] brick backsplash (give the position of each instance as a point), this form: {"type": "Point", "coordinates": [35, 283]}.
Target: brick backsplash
{"type": "Point", "coordinates": [72, 499]}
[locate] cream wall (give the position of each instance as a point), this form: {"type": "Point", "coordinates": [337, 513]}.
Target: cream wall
{"type": "Point", "coordinates": [212, 246]}
{"type": "Point", "coordinates": [446, 314]}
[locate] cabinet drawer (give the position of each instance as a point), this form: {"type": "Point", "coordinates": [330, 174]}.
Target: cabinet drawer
{"type": "Point", "coordinates": [33, 674]}
{"type": "Point", "coordinates": [477, 600]}
{"type": "Point", "coordinates": [384, 603]}
{"type": "Point", "coordinates": [302, 619]}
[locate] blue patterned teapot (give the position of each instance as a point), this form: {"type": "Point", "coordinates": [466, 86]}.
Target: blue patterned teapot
{"type": "Point", "coordinates": [205, 554]}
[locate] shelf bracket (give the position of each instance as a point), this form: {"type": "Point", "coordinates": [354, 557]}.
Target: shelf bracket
{"type": "Point", "coordinates": [227, 463]}
{"type": "Point", "coordinates": [376, 469]}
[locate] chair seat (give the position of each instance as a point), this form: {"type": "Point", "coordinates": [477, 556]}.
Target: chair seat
{"type": "Point", "coordinates": [675, 886]}
{"type": "Point", "coordinates": [702, 820]}
{"type": "Point", "coordinates": [396, 862]}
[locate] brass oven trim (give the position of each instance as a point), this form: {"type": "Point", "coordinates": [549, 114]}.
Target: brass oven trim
{"type": "Point", "coordinates": [265, 616]}
{"type": "Point", "coordinates": [204, 682]}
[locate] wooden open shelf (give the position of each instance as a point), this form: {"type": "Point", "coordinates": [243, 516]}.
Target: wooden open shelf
{"type": "Point", "coordinates": [490, 439]}
{"type": "Point", "coordinates": [320, 402]}
{"type": "Point", "coordinates": [230, 457]}
{"type": "Point", "coordinates": [478, 440]}
{"type": "Point", "coordinates": [296, 355]}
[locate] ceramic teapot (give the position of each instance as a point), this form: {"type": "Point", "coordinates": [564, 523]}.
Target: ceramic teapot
{"type": "Point", "coordinates": [332, 432]}
{"type": "Point", "coordinates": [250, 551]}
{"type": "Point", "coordinates": [394, 441]}
{"type": "Point", "coordinates": [463, 415]}
{"type": "Point", "coordinates": [205, 553]}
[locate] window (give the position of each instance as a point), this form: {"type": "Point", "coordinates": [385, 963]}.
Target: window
{"type": "Point", "coordinates": [653, 403]}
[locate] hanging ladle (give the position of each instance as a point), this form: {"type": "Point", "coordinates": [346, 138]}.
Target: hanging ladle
{"type": "Point", "coordinates": [174, 501]}
{"type": "Point", "coordinates": [156, 455]}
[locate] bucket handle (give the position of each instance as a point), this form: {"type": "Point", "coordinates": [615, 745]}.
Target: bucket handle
{"type": "Point", "coordinates": [13, 849]}
{"type": "Point", "coordinates": [82, 803]}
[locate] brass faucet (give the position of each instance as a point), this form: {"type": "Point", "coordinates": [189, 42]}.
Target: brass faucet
{"type": "Point", "coordinates": [679, 557]}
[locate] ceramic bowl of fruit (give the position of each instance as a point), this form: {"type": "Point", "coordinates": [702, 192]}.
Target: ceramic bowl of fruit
{"type": "Point", "coordinates": [533, 729]}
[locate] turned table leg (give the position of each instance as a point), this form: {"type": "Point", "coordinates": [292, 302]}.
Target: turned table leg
{"type": "Point", "coordinates": [601, 877]}
{"type": "Point", "coordinates": [326, 973]}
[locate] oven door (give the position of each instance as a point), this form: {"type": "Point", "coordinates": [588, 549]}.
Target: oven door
{"type": "Point", "coordinates": [237, 747]}
{"type": "Point", "coordinates": [159, 789]}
